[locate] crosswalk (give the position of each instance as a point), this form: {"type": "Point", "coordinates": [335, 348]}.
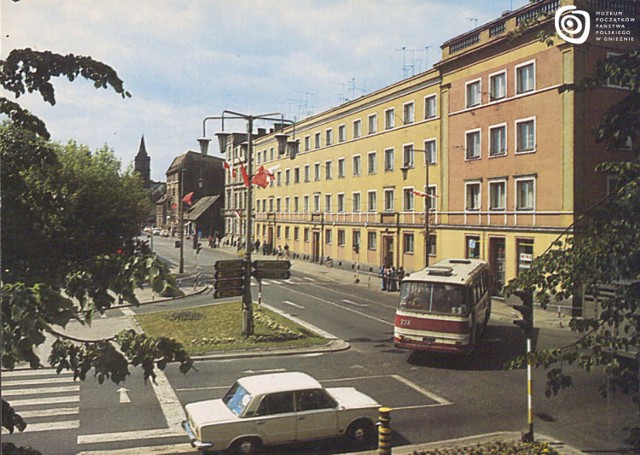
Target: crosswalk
{"type": "Point", "coordinates": [293, 280]}
{"type": "Point", "coordinates": [46, 400]}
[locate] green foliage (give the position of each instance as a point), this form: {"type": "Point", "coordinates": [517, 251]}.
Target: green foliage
{"type": "Point", "coordinates": [496, 448]}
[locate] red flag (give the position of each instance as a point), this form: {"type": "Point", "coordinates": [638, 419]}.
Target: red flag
{"type": "Point", "coordinates": [262, 177]}
{"type": "Point", "coordinates": [245, 176]}
{"type": "Point", "coordinates": [231, 170]}
{"type": "Point", "coordinates": [237, 213]}
{"type": "Point", "coordinates": [187, 199]}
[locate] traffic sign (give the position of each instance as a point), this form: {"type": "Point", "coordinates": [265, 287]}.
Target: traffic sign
{"type": "Point", "coordinates": [226, 274]}
{"type": "Point", "coordinates": [233, 283]}
{"type": "Point", "coordinates": [271, 265]}
{"type": "Point", "coordinates": [229, 264]}
{"type": "Point", "coordinates": [260, 274]}
{"type": "Point", "coordinates": [224, 293]}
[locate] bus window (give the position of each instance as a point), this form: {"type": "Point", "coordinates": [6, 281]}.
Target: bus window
{"type": "Point", "coordinates": [434, 298]}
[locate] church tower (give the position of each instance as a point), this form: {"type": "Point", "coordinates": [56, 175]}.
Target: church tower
{"type": "Point", "coordinates": [143, 164]}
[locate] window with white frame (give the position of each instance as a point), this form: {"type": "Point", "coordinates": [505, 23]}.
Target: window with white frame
{"type": "Point", "coordinates": [307, 235]}
{"type": "Point", "coordinates": [287, 204]}
{"type": "Point", "coordinates": [341, 207]}
{"type": "Point", "coordinates": [389, 119]}
{"type": "Point", "coordinates": [373, 123]}
{"type": "Point", "coordinates": [498, 140]}
{"type": "Point", "coordinates": [342, 237]}
{"type": "Point", "coordinates": [431, 151]}
{"type": "Point", "coordinates": [328, 138]}
{"type": "Point", "coordinates": [525, 193]}
{"type": "Point", "coordinates": [408, 242]}
{"type": "Point", "coordinates": [316, 202]}
{"type": "Point", "coordinates": [408, 156]}
{"type": "Point", "coordinates": [318, 140]}
{"type": "Point", "coordinates": [357, 165]}
{"type": "Point", "coordinates": [328, 170]}
{"type": "Point", "coordinates": [356, 203]}
{"type": "Point", "coordinates": [296, 233]}
{"type": "Point", "coordinates": [357, 128]}
{"type": "Point", "coordinates": [408, 113]}
{"type": "Point", "coordinates": [388, 160]}
{"type": "Point", "coordinates": [526, 135]}
{"type": "Point", "coordinates": [279, 178]}
{"type": "Point", "coordinates": [342, 170]}
{"type": "Point", "coordinates": [372, 167]}
{"type": "Point", "coordinates": [472, 144]}
{"type": "Point", "coordinates": [356, 240]}
{"type": "Point", "coordinates": [296, 175]}
{"type": "Point", "coordinates": [328, 236]}
{"type": "Point", "coordinates": [430, 107]}
{"type": "Point", "coordinates": [474, 93]}
{"type": "Point", "coordinates": [432, 198]}
{"type": "Point", "coordinates": [307, 143]}
{"type": "Point", "coordinates": [498, 86]}
{"type": "Point", "coordinates": [472, 196]}
{"type": "Point", "coordinates": [372, 240]}
{"type": "Point", "coordinates": [296, 204]}
{"type": "Point", "coordinates": [371, 201]}
{"type": "Point", "coordinates": [388, 199]}
{"type": "Point", "coordinates": [316, 172]}
{"type": "Point", "coordinates": [287, 176]}
{"type": "Point", "coordinates": [271, 204]}
{"type": "Point", "coordinates": [305, 203]}
{"type": "Point", "coordinates": [525, 77]}
{"type": "Point", "coordinates": [307, 172]}
{"type": "Point", "coordinates": [278, 205]}
{"type": "Point", "coordinates": [342, 133]}
{"type": "Point", "coordinates": [497, 195]}
{"type": "Point", "coordinates": [408, 199]}
{"type": "Point", "coordinates": [327, 203]}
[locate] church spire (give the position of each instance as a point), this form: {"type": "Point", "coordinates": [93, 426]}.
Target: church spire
{"type": "Point", "coordinates": [143, 163]}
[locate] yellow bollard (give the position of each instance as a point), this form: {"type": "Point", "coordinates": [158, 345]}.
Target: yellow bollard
{"type": "Point", "coordinates": [384, 431]}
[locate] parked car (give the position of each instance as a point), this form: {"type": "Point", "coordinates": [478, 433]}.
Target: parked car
{"type": "Point", "coordinates": [279, 408]}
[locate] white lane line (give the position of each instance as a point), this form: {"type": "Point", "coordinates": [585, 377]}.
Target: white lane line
{"type": "Point", "coordinates": [292, 304]}
{"type": "Point", "coordinates": [128, 436]}
{"type": "Point", "coordinates": [311, 327]}
{"type": "Point", "coordinates": [169, 403]}
{"type": "Point", "coordinates": [35, 382]}
{"type": "Point", "coordinates": [49, 400]}
{"type": "Point", "coordinates": [273, 370]}
{"type": "Point", "coordinates": [309, 279]}
{"type": "Point", "coordinates": [425, 392]}
{"type": "Point", "coordinates": [49, 412]}
{"type": "Point", "coordinates": [350, 302]}
{"type": "Point", "coordinates": [40, 391]}
{"type": "Point", "coordinates": [38, 372]}
{"type": "Point", "coordinates": [50, 426]}
{"type": "Point", "coordinates": [152, 450]}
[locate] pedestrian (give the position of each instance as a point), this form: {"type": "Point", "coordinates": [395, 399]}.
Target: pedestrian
{"type": "Point", "coordinates": [257, 245]}
{"type": "Point", "coordinates": [286, 250]}
{"type": "Point", "coordinates": [381, 275]}
{"type": "Point", "coordinates": [393, 277]}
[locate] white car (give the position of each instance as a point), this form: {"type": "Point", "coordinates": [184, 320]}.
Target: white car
{"type": "Point", "coordinates": [279, 408]}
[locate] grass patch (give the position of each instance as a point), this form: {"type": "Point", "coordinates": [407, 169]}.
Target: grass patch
{"type": "Point", "coordinates": [218, 327]}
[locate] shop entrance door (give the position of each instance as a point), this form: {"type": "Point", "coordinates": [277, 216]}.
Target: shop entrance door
{"type": "Point", "coordinates": [497, 263]}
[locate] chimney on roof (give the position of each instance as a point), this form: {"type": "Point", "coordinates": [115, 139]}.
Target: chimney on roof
{"type": "Point", "coordinates": [262, 132]}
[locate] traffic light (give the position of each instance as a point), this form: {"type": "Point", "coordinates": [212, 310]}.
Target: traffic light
{"type": "Point", "coordinates": [526, 310]}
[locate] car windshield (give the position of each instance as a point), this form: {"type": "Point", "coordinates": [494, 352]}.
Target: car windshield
{"type": "Point", "coordinates": [433, 298]}
{"type": "Point", "coordinates": [237, 399]}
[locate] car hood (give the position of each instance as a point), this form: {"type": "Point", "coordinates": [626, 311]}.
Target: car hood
{"type": "Point", "coordinates": [209, 412]}
{"type": "Point", "coordinates": [349, 398]}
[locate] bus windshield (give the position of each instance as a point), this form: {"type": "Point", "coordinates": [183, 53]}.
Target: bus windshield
{"type": "Point", "coordinates": [434, 298]}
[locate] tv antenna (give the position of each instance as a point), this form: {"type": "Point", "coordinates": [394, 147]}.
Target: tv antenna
{"type": "Point", "coordinates": [474, 20]}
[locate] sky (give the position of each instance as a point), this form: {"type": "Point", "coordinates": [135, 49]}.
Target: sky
{"type": "Point", "coordinates": [184, 60]}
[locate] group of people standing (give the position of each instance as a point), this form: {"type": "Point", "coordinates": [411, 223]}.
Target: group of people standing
{"type": "Point", "coordinates": [391, 277]}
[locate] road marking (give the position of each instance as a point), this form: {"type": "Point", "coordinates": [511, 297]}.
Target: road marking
{"type": "Point", "coordinates": [152, 450]}
{"type": "Point", "coordinates": [421, 390]}
{"type": "Point", "coordinates": [41, 391]}
{"type": "Point", "coordinates": [169, 403]}
{"type": "Point", "coordinates": [48, 412]}
{"type": "Point", "coordinates": [311, 327]}
{"type": "Point", "coordinates": [309, 279]}
{"type": "Point", "coordinates": [35, 382]}
{"type": "Point", "coordinates": [50, 400]}
{"type": "Point", "coordinates": [292, 304]}
{"type": "Point", "coordinates": [38, 372]}
{"type": "Point", "coordinates": [354, 303]}
{"type": "Point", "coordinates": [124, 395]}
{"type": "Point", "coordinates": [273, 370]}
{"type": "Point", "coordinates": [128, 435]}
{"type": "Point", "coordinates": [50, 426]}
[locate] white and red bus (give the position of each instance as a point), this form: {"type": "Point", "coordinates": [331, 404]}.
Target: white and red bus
{"type": "Point", "coordinates": [444, 308]}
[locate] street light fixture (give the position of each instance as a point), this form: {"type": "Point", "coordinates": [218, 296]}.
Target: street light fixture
{"type": "Point", "coordinates": [405, 170]}
{"type": "Point", "coordinates": [223, 137]}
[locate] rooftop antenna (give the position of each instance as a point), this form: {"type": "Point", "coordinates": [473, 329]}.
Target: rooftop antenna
{"type": "Point", "coordinates": [474, 20]}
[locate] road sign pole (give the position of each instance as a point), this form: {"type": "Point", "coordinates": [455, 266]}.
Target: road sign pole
{"type": "Point", "coordinates": [529, 436]}
{"type": "Point", "coordinates": [259, 293]}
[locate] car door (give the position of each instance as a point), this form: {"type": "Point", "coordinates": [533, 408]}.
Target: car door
{"type": "Point", "coordinates": [275, 419]}
{"type": "Point", "coordinates": [316, 415]}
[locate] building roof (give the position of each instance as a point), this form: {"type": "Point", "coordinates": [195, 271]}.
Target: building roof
{"type": "Point", "coordinates": [200, 207]}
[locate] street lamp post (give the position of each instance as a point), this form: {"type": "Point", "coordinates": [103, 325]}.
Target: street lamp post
{"type": "Point", "coordinates": [405, 169]}
{"type": "Point", "coordinates": [283, 146]}
{"type": "Point", "coordinates": [181, 218]}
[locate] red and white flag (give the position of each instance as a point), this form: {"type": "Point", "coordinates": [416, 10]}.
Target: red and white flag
{"type": "Point", "coordinates": [187, 199]}
{"type": "Point", "coordinates": [236, 213]}
{"type": "Point", "coordinates": [262, 177]}
{"type": "Point", "coordinates": [245, 176]}
{"type": "Point", "coordinates": [421, 194]}
{"type": "Point", "coordinates": [231, 170]}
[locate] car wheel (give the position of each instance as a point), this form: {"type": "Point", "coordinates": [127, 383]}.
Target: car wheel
{"type": "Point", "coordinates": [247, 446]}
{"type": "Point", "coordinates": [360, 432]}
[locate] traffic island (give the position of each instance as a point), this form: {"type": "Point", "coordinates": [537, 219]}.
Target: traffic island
{"type": "Point", "coordinates": [218, 328]}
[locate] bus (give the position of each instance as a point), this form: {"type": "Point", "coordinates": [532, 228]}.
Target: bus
{"type": "Point", "coordinates": [444, 308]}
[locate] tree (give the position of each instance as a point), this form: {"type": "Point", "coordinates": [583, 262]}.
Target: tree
{"type": "Point", "coordinates": [69, 219]}
{"type": "Point", "coordinates": [602, 247]}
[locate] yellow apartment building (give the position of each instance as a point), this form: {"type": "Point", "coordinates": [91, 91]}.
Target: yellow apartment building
{"type": "Point", "coordinates": [482, 152]}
